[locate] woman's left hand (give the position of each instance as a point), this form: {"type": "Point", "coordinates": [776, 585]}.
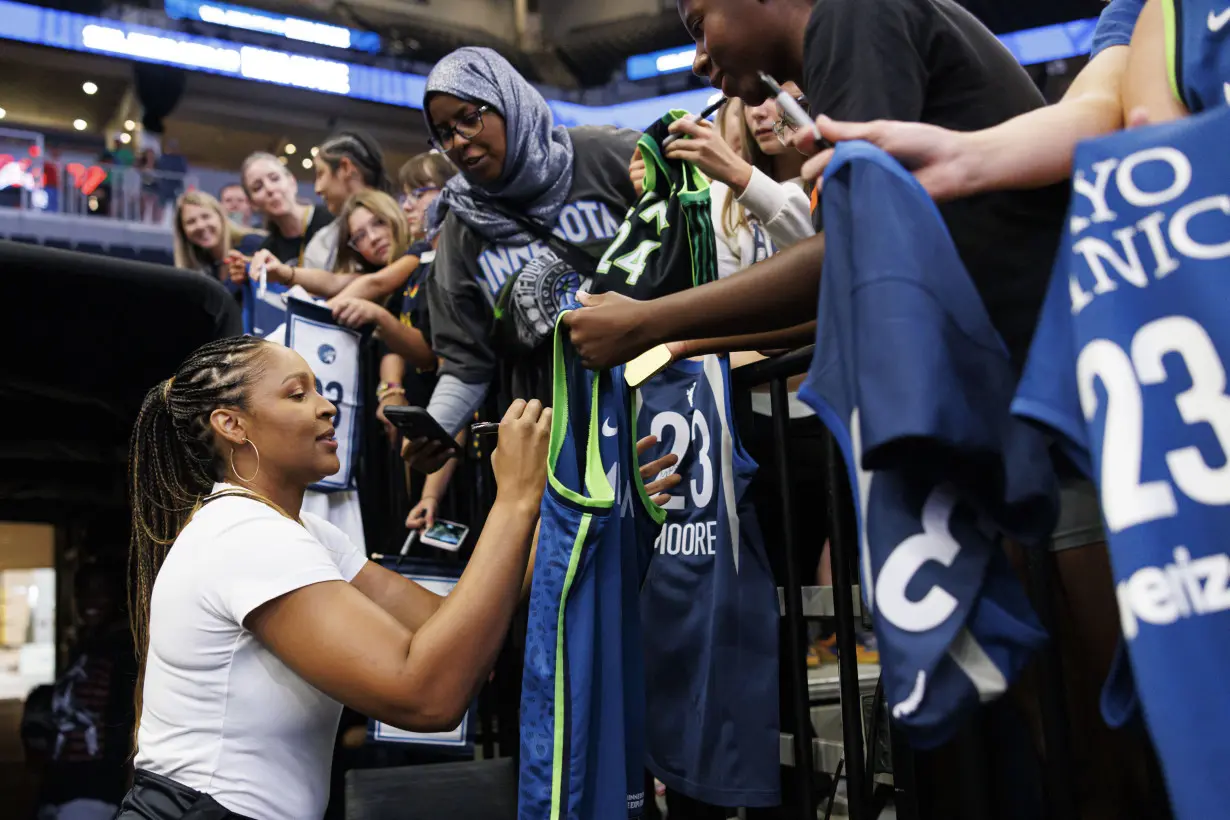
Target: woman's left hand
{"type": "Point", "coordinates": [657, 488]}
{"type": "Point", "coordinates": [357, 313]}
{"type": "Point", "coordinates": [704, 147]}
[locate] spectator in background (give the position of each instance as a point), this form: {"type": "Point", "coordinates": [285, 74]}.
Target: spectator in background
{"type": "Point", "coordinates": [203, 236]}
{"type": "Point", "coordinates": [346, 163]}
{"type": "Point", "coordinates": [87, 769]}
{"type": "Point", "coordinates": [516, 168]}
{"type": "Point", "coordinates": [372, 233]}
{"type": "Point", "coordinates": [236, 204]}
{"type": "Point", "coordinates": [422, 179]}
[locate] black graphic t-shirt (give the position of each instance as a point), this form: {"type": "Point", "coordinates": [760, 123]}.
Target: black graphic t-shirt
{"type": "Point", "coordinates": [93, 714]}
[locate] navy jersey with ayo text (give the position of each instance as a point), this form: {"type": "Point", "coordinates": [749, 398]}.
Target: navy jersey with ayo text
{"type": "Point", "coordinates": [1132, 376]}
{"type": "Point", "coordinates": [1198, 52]}
{"type": "Point", "coordinates": [915, 385]}
{"type": "Point", "coordinates": [666, 242]}
{"type": "Point", "coordinates": [582, 696]}
{"type": "Point", "coordinates": [709, 608]}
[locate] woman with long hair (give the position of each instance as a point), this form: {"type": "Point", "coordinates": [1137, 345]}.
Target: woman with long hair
{"type": "Point", "coordinates": [255, 621]}
{"type": "Point", "coordinates": [203, 236]}
{"type": "Point", "coordinates": [521, 178]}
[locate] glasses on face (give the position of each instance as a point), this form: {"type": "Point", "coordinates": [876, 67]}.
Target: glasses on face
{"type": "Point", "coordinates": [413, 196]}
{"type": "Point", "coordinates": [467, 126]}
{"type": "Point", "coordinates": [785, 130]}
{"type": "Point", "coordinates": [366, 234]}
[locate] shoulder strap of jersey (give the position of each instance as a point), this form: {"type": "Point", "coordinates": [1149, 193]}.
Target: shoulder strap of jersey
{"type": "Point", "coordinates": [596, 491]}
{"type": "Point", "coordinates": [1172, 16]}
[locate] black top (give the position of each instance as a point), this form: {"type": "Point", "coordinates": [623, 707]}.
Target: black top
{"type": "Point", "coordinates": [290, 249]}
{"type": "Point", "coordinates": [931, 61]}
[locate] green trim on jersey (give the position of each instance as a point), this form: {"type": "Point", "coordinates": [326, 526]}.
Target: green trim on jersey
{"type": "Point", "coordinates": [1172, 17]}
{"type": "Point", "coordinates": [598, 491]}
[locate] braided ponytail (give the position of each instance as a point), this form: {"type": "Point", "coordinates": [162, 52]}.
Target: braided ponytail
{"type": "Point", "coordinates": [172, 463]}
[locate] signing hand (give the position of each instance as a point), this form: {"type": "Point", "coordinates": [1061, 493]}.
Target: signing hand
{"type": "Point", "coordinates": [705, 148]}
{"type": "Point", "coordinates": [520, 458]}
{"type": "Point", "coordinates": [275, 269]}
{"type": "Point", "coordinates": [608, 330]}
{"type": "Point", "coordinates": [657, 485]}
{"type": "Point", "coordinates": [358, 313]}
{"type": "Point", "coordinates": [937, 157]}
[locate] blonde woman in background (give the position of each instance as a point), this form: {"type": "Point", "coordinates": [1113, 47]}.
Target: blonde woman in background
{"type": "Point", "coordinates": [203, 236]}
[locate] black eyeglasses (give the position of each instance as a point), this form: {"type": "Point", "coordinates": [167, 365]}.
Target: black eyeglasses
{"type": "Point", "coordinates": [417, 194]}
{"type": "Point", "coordinates": [467, 126]}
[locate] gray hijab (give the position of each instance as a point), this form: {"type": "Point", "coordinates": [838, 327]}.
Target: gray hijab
{"type": "Point", "coordinates": [537, 174]}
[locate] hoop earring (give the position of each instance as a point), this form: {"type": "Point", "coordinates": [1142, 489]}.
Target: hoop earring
{"type": "Point", "coordinates": [258, 463]}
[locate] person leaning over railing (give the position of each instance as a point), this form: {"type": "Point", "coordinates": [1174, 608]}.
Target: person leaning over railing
{"type": "Point", "coordinates": [203, 236]}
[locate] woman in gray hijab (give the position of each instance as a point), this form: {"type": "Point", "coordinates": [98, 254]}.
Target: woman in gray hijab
{"type": "Point", "coordinates": [521, 177]}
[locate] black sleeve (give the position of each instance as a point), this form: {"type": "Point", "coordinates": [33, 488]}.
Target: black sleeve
{"type": "Point", "coordinates": [866, 59]}
{"type": "Point", "coordinates": [461, 316]}
{"type": "Point", "coordinates": [603, 156]}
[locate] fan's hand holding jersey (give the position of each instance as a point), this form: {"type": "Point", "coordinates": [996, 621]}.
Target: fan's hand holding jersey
{"type": "Point", "coordinates": [1198, 52]}
{"type": "Point", "coordinates": [709, 608]}
{"type": "Point", "coordinates": [666, 242]}
{"type": "Point", "coordinates": [582, 695]}
{"type": "Point", "coordinates": [916, 384]}
{"type": "Point", "coordinates": [1131, 372]}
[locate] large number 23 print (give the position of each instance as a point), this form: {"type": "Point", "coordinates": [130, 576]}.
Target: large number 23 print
{"type": "Point", "coordinates": [333, 392]}
{"type": "Point", "coordinates": [701, 485]}
{"type": "Point", "coordinates": [1126, 501]}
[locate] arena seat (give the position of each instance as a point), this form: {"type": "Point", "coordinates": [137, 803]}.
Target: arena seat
{"type": "Point", "coordinates": [472, 790]}
{"type": "Point", "coordinates": [91, 247]}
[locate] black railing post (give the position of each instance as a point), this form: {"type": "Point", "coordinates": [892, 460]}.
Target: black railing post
{"type": "Point", "coordinates": [804, 768]}
{"type": "Point", "coordinates": [843, 545]}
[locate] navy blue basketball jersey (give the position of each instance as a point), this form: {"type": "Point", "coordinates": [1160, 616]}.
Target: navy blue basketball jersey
{"type": "Point", "coordinates": [582, 699]}
{"type": "Point", "coordinates": [915, 384]}
{"type": "Point", "coordinates": [1198, 52]}
{"type": "Point", "coordinates": [666, 242]}
{"type": "Point", "coordinates": [709, 608]}
{"type": "Point", "coordinates": [1132, 377]}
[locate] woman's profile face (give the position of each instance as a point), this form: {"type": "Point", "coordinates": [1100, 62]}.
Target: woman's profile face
{"type": "Point", "coordinates": [332, 186]}
{"type": "Point", "coordinates": [270, 187]}
{"type": "Point", "coordinates": [290, 423]}
{"type": "Point", "coordinates": [202, 226]}
{"type": "Point", "coordinates": [370, 236]}
{"type": "Point", "coordinates": [415, 205]}
{"type": "Point", "coordinates": [760, 120]}
{"type": "Point", "coordinates": [474, 140]}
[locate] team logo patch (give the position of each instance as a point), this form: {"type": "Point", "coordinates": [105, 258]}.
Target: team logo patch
{"type": "Point", "coordinates": [327, 354]}
{"type": "Point", "coordinates": [544, 286]}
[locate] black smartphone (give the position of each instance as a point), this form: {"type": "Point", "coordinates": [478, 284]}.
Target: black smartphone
{"type": "Point", "coordinates": [415, 422]}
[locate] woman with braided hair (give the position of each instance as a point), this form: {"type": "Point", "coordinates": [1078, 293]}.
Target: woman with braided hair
{"type": "Point", "coordinates": [264, 620]}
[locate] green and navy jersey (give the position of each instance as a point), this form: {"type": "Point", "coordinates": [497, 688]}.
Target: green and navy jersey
{"type": "Point", "coordinates": [1197, 57]}
{"type": "Point", "coordinates": [666, 242]}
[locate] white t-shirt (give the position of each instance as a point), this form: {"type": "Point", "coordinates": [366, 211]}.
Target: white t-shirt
{"type": "Point", "coordinates": [221, 714]}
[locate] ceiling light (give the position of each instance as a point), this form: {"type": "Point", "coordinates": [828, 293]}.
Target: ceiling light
{"type": "Point", "coordinates": [307, 164]}
{"type": "Point", "coordinates": [3, 113]}
{"type": "Point", "coordinates": [80, 125]}
{"type": "Point", "coordinates": [125, 138]}
{"type": "Point", "coordinates": [290, 148]}
{"type": "Point", "coordinates": [315, 150]}
{"type": "Point", "coordinates": [89, 88]}
{"type": "Point", "coordinates": [282, 160]}
{"type": "Point", "coordinates": [129, 125]}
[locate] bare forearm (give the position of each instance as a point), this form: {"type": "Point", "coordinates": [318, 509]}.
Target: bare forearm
{"type": "Point", "coordinates": [777, 293]}
{"type": "Point", "coordinates": [457, 647]}
{"type": "Point", "coordinates": [405, 341]}
{"type": "Point", "coordinates": [322, 283]}
{"type": "Point", "coordinates": [797, 336]}
{"type": "Point", "coordinates": [437, 483]}
{"type": "Point", "coordinates": [1147, 82]}
{"type": "Point", "coordinates": [392, 368]}
{"type": "Point", "coordinates": [1016, 155]}
{"type": "Point", "coordinates": [376, 286]}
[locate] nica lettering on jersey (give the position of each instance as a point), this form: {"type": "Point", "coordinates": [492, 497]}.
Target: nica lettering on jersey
{"type": "Point", "coordinates": [666, 242]}
{"type": "Point", "coordinates": [1128, 370]}
{"type": "Point", "coordinates": [915, 385]}
{"type": "Point", "coordinates": [583, 684]}
{"type": "Point", "coordinates": [1198, 52]}
{"type": "Point", "coordinates": [333, 353]}
{"type": "Point", "coordinates": [582, 223]}
{"type": "Point", "coordinates": [709, 607]}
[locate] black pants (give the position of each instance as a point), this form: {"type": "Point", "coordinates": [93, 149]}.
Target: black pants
{"type": "Point", "coordinates": [154, 797]}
